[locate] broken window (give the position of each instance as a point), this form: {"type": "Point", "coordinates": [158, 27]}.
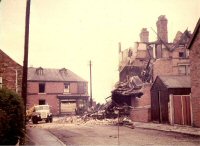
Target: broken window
{"type": "Point", "coordinates": [181, 55]}
{"type": "Point", "coordinates": [41, 87]}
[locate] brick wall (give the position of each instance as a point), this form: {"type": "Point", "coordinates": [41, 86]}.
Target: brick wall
{"type": "Point", "coordinates": [195, 79]}
{"type": "Point", "coordinates": [52, 90]}
{"type": "Point", "coordinates": [167, 66]}
{"type": "Point", "coordinates": [162, 67]}
{"type": "Point", "coordinates": [141, 111]}
{"type": "Point", "coordinates": [11, 73]}
{"type": "Point", "coordinates": [141, 114]}
{"type": "Point", "coordinates": [52, 100]}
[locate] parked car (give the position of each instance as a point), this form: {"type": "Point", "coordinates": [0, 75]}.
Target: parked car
{"type": "Point", "coordinates": [42, 112]}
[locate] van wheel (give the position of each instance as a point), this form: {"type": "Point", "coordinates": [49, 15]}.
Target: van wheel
{"type": "Point", "coordinates": [51, 119]}
{"type": "Point", "coordinates": [47, 120]}
{"type": "Point", "coordinates": [34, 120]}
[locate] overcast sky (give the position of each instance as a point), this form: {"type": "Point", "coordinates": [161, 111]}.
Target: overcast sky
{"type": "Point", "coordinates": [69, 33]}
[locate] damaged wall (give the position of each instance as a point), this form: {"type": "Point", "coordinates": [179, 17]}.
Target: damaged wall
{"type": "Point", "coordinates": [141, 111]}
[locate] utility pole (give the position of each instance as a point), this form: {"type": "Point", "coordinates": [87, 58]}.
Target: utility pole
{"type": "Point", "coordinates": [25, 63]}
{"type": "Point", "coordinates": [91, 84]}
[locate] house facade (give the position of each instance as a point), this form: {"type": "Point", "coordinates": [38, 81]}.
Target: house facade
{"type": "Point", "coordinates": [10, 73]}
{"type": "Point", "coordinates": [194, 47]}
{"type": "Point", "coordinates": [63, 90]}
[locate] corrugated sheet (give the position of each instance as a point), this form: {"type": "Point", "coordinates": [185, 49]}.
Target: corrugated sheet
{"type": "Point", "coordinates": [176, 81]}
{"type": "Point", "coordinates": [53, 75]}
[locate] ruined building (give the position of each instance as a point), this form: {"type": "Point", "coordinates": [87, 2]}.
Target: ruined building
{"type": "Point", "coordinates": [148, 59]}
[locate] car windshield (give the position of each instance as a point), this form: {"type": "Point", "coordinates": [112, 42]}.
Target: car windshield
{"type": "Point", "coordinates": [37, 108]}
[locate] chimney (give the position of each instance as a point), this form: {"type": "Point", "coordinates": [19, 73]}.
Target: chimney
{"type": "Point", "coordinates": [144, 35]}
{"type": "Point", "coordinates": [120, 47]}
{"type": "Point", "coordinates": [162, 32]}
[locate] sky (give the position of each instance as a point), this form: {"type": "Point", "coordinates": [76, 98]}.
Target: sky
{"type": "Point", "coordinates": [70, 33]}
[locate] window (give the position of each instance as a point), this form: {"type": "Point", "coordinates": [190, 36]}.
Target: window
{"type": "Point", "coordinates": [1, 82]}
{"type": "Point", "coordinates": [42, 102]}
{"type": "Point", "coordinates": [66, 87]}
{"type": "Point", "coordinates": [184, 69]}
{"type": "Point", "coordinates": [39, 71]}
{"type": "Point", "coordinates": [181, 55]}
{"type": "Point", "coordinates": [41, 87]}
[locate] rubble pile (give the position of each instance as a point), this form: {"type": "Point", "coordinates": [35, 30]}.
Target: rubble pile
{"type": "Point", "coordinates": [85, 121]}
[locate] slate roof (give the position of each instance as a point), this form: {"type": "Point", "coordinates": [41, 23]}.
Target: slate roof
{"type": "Point", "coordinates": [176, 81]}
{"type": "Point", "coordinates": [53, 75]}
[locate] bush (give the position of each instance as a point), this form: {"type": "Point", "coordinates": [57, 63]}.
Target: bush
{"type": "Point", "coordinates": [12, 122]}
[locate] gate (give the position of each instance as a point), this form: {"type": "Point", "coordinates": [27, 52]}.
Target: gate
{"type": "Point", "coordinates": [181, 109]}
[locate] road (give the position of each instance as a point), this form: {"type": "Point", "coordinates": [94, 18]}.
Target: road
{"type": "Point", "coordinates": [72, 134]}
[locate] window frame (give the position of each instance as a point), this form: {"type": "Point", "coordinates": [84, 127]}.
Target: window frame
{"type": "Point", "coordinates": [40, 86]}
{"type": "Point", "coordinates": [66, 90]}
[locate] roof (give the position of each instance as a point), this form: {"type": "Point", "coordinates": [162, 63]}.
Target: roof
{"type": "Point", "coordinates": [52, 75]}
{"type": "Point", "coordinates": [129, 88]}
{"type": "Point", "coordinates": [4, 54]}
{"type": "Point", "coordinates": [176, 81]}
{"type": "Point", "coordinates": [194, 34]}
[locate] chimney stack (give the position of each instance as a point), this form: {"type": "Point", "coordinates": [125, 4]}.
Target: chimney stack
{"type": "Point", "coordinates": [120, 47]}
{"type": "Point", "coordinates": [144, 35]}
{"type": "Point", "coordinates": [162, 32]}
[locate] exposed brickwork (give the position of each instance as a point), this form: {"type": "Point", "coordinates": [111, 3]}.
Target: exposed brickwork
{"type": "Point", "coordinates": [11, 73]}
{"type": "Point", "coordinates": [141, 111]}
{"type": "Point", "coordinates": [141, 115]}
{"type": "Point", "coordinates": [195, 79]}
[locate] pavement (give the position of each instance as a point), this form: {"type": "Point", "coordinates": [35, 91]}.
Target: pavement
{"type": "Point", "coordinates": [37, 136]}
{"type": "Point", "coordinates": [182, 129]}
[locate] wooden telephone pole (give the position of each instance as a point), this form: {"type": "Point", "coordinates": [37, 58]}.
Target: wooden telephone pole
{"type": "Point", "coordinates": [91, 101]}
{"type": "Point", "coordinates": [25, 63]}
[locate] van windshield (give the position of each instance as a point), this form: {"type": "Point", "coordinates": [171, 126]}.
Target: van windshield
{"type": "Point", "coordinates": [37, 108]}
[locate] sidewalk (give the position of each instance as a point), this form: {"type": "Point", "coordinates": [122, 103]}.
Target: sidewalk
{"type": "Point", "coordinates": [38, 136]}
{"type": "Point", "coordinates": [170, 128]}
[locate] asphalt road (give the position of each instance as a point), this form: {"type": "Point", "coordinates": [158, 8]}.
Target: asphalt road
{"type": "Point", "coordinates": [72, 134]}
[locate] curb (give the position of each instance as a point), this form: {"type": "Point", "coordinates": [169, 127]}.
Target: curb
{"type": "Point", "coordinates": [57, 139]}
{"type": "Point", "coordinates": [178, 132]}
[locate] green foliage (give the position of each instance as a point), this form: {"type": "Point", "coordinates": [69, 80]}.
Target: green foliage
{"type": "Point", "coordinates": [11, 117]}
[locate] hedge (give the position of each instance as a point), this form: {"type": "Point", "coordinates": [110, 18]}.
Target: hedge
{"type": "Point", "coordinates": [12, 122]}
